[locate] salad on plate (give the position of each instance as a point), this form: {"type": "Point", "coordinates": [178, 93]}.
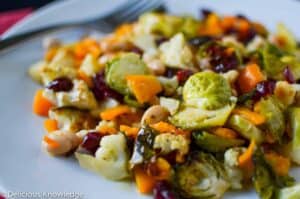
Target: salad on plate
{"type": "Point", "coordinates": [184, 107]}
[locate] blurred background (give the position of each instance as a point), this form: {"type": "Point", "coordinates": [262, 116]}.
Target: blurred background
{"type": "Point", "coordinates": [11, 11]}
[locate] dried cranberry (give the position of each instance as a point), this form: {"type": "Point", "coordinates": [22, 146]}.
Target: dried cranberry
{"type": "Point", "coordinates": [222, 59]}
{"type": "Point", "coordinates": [241, 16]}
{"type": "Point", "coordinates": [263, 89]}
{"type": "Point", "coordinates": [288, 75]}
{"type": "Point", "coordinates": [170, 72]}
{"type": "Point", "coordinates": [246, 37]}
{"type": "Point", "coordinates": [137, 50]}
{"type": "Point", "coordinates": [60, 84]}
{"type": "Point", "coordinates": [160, 40]}
{"type": "Point", "coordinates": [91, 142]}
{"type": "Point", "coordinates": [183, 75]}
{"type": "Point", "coordinates": [163, 190]}
{"type": "Point", "coordinates": [101, 90]}
{"type": "Point", "coordinates": [205, 12]}
{"type": "Point", "coordinates": [198, 41]}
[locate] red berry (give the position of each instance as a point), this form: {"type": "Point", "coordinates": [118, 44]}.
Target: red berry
{"type": "Point", "coordinates": [60, 84]}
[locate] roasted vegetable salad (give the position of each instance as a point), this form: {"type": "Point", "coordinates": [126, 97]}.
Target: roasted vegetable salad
{"type": "Point", "coordinates": [185, 107]}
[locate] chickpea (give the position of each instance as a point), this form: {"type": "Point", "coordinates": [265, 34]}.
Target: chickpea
{"type": "Point", "coordinates": [155, 114]}
{"type": "Point", "coordinates": [66, 142]}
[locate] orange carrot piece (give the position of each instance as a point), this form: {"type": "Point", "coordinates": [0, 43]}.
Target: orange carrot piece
{"type": "Point", "coordinates": [164, 127]}
{"type": "Point", "coordinates": [41, 105]}
{"type": "Point", "coordinates": [249, 77]}
{"type": "Point", "coordinates": [280, 164]}
{"type": "Point", "coordinates": [252, 116]}
{"type": "Point", "coordinates": [245, 160]}
{"type": "Point", "coordinates": [50, 125]}
{"type": "Point", "coordinates": [107, 130]}
{"type": "Point", "coordinates": [144, 87]}
{"type": "Point", "coordinates": [52, 143]}
{"type": "Point", "coordinates": [164, 168]}
{"type": "Point", "coordinates": [112, 113]}
{"type": "Point", "coordinates": [129, 131]}
{"type": "Point", "coordinates": [225, 133]}
{"type": "Point", "coordinates": [212, 26]}
{"type": "Point", "coordinates": [88, 80]}
{"type": "Point", "coordinates": [144, 182]}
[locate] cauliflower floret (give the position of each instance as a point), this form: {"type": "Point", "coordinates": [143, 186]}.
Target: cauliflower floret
{"type": "Point", "coordinates": [90, 65]}
{"type": "Point", "coordinates": [234, 173]}
{"type": "Point", "coordinates": [111, 158]}
{"type": "Point", "coordinates": [62, 142]}
{"type": "Point", "coordinates": [72, 120]}
{"type": "Point", "coordinates": [175, 53]}
{"type": "Point", "coordinates": [169, 84]}
{"type": "Point", "coordinates": [255, 44]}
{"type": "Point", "coordinates": [231, 156]}
{"type": "Point", "coordinates": [168, 142]}
{"type": "Point", "coordinates": [285, 92]}
{"type": "Point", "coordinates": [146, 42]}
{"type": "Point", "coordinates": [80, 96]}
{"type": "Point", "coordinates": [35, 71]}
{"type": "Point", "coordinates": [62, 65]}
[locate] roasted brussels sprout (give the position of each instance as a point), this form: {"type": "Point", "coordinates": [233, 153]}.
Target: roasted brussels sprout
{"type": "Point", "coordinates": [272, 65]}
{"type": "Point", "coordinates": [245, 128]}
{"type": "Point", "coordinates": [294, 120]}
{"type": "Point", "coordinates": [193, 118]}
{"type": "Point", "coordinates": [118, 68]}
{"type": "Point", "coordinates": [270, 108]}
{"type": "Point", "coordinates": [202, 176]}
{"type": "Point", "coordinates": [266, 182]}
{"type": "Point", "coordinates": [111, 158]}
{"type": "Point", "coordinates": [207, 90]}
{"type": "Point", "coordinates": [213, 143]}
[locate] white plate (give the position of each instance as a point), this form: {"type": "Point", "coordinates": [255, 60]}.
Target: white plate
{"type": "Point", "coordinates": [24, 166]}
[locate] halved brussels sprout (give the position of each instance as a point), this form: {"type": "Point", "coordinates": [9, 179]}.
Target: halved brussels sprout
{"type": "Point", "coordinates": [245, 128]}
{"type": "Point", "coordinates": [117, 70]}
{"type": "Point", "coordinates": [266, 182]}
{"type": "Point", "coordinates": [111, 159]}
{"type": "Point", "coordinates": [207, 90]}
{"type": "Point", "coordinates": [271, 109]}
{"type": "Point", "coordinates": [202, 176]}
{"type": "Point", "coordinates": [272, 64]}
{"type": "Point", "coordinates": [214, 143]}
{"type": "Point", "coordinates": [294, 119]}
{"type": "Point", "coordinates": [193, 118]}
